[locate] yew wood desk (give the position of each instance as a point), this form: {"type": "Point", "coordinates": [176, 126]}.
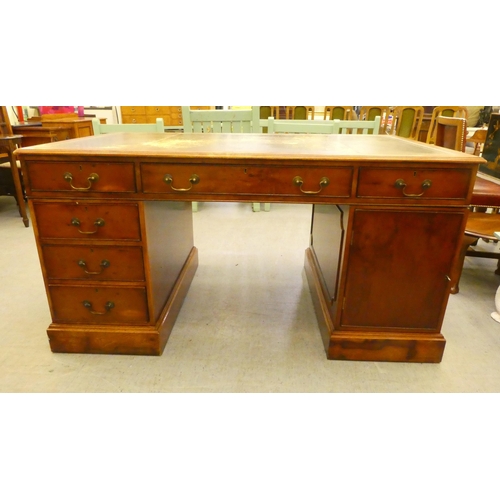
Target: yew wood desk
{"type": "Point", "coordinates": [113, 227]}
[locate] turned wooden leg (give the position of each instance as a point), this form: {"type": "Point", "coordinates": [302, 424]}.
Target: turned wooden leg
{"type": "Point", "coordinates": [457, 271]}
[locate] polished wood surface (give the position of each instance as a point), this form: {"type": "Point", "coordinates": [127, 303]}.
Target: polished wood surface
{"type": "Point", "coordinates": [389, 207]}
{"type": "Point", "coordinates": [480, 225]}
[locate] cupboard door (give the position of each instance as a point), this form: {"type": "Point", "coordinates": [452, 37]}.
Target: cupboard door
{"type": "Point", "coordinates": [398, 268]}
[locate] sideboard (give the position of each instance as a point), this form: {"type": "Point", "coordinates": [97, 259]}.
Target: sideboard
{"type": "Point", "coordinates": [113, 225]}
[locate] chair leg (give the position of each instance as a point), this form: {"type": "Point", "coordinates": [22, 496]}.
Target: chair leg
{"type": "Point", "coordinates": [195, 206]}
{"type": "Point", "coordinates": [256, 207]}
{"type": "Point", "coordinates": [456, 272]}
{"type": "Point", "coordinates": [267, 207]}
{"type": "Point", "coordinates": [19, 190]}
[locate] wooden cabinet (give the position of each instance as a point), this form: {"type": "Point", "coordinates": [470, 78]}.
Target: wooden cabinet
{"type": "Point", "coordinates": [113, 224]}
{"type": "Point", "coordinates": [172, 115]}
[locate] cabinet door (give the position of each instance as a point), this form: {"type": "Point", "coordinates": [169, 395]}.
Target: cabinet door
{"type": "Point", "coordinates": [398, 269]}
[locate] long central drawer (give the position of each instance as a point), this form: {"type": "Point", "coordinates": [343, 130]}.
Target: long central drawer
{"type": "Point", "coordinates": [252, 179]}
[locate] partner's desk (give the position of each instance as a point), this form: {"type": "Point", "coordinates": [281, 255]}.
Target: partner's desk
{"type": "Point", "coordinates": [113, 226]}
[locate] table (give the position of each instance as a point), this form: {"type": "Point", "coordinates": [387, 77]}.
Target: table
{"type": "Point", "coordinates": [480, 225]}
{"type": "Point", "coordinates": [113, 225]}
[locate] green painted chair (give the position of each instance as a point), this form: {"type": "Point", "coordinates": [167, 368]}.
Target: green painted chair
{"type": "Point", "coordinates": [218, 121]}
{"type": "Point", "coordinates": [366, 127]}
{"type": "Point", "coordinates": [104, 128]}
{"type": "Point", "coordinates": [322, 127]}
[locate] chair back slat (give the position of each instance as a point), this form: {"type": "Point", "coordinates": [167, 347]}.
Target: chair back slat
{"type": "Point", "coordinates": [221, 121]}
{"type": "Point", "coordinates": [321, 127]}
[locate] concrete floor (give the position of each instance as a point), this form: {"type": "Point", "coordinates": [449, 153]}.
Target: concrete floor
{"type": "Point", "coordinates": [247, 324]}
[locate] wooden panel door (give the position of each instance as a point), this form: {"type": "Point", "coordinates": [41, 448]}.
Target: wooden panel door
{"type": "Point", "coordinates": [399, 265]}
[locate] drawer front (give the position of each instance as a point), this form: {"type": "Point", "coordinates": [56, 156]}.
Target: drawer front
{"type": "Point", "coordinates": [103, 263]}
{"type": "Point", "coordinates": [81, 177]}
{"type": "Point", "coordinates": [134, 118]}
{"type": "Point", "coordinates": [162, 110]}
{"type": "Point", "coordinates": [98, 305]}
{"type": "Point", "coordinates": [98, 221]}
{"type": "Point", "coordinates": [133, 110]}
{"type": "Point", "coordinates": [203, 179]}
{"type": "Point", "coordinates": [167, 119]}
{"type": "Point", "coordinates": [414, 183]}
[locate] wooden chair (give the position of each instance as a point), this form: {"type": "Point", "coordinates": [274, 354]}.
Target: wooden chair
{"type": "Point", "coordinates": [10, 174]}
{"type": "Point", "coordinates": [448, 111]}
{"type": "Point", "coordinates": [478, 139]}
{"type": "Point", "coordinates": [221, 121]}
{"type": "Point", "coordinates": [450, 133]}
{"type": "Point", "coordinates": [407, 121]}
{"type": "Point", "coordinates": [370, 112]}
{"type": "Point", "coordinates": [101, 128]}
{"type": "Point", "coordinates": [338, 113]}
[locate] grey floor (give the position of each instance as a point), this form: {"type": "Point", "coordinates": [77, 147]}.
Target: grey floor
{"type": "Point", "coordinates": [247, 324]}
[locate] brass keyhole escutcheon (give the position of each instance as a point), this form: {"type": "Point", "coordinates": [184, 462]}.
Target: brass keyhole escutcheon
{"type": "Point", "coordinates": [194, 179]}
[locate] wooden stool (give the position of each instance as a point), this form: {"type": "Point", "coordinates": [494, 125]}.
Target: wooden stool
{"type": "Point", "coordinates": [479, 225]}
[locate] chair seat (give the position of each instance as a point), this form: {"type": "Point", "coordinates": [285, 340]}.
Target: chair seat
{"type": "Point", "coordinates": [486, 193]}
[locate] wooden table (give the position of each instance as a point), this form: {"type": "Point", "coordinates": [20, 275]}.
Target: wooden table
{"type": "Point", "coordinates": [480, 225]}
{"type": "Point", "coordinates": [113, 226]}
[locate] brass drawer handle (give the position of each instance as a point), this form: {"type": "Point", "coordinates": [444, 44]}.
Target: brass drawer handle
{"type": "Point", "coordinates": [104, 264]}
{"type": "Point", "coordinates": [323, 183]}
{"type": "Point", "coordinates": [401, 184]}
{"type": "Point", "coordinates": [194, 179]}
{"type": "Point", "coordinates": [68, 177]}
{"type": "Point", "coordinates": [108, 306]}
{"type": "Point", "coordinates": [76, 222]}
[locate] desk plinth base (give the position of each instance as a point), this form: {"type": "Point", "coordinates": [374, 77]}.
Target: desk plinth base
{"type": "Point", "coordinates": [136, 340]}
{"type": "Point", "coordinates": [368, 345]}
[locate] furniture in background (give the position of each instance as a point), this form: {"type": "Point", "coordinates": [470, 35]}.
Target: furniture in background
{"type": "Point", "coordinates": [77, 126]}
{"type": "Point", "coordinates": [478, 138]}
{"type": "Point", "coordinates": [171, 115]}
{"type": "Point", "coordinates": [482, 226]}
{"type": "Point", "coordinates": [100, 128]}
{"type": "Point", "coordinates": [370, 112]}
{"type": "Point", "coordinates": [222, 122]}
{"type": "Point", "coordinates": [406, 121]}
{"type": "Point", "coordinates": [448, 111]}
{"type": "Point", "coordinates": [322, 127]}
{"type": "Point", "coordinates": [450, 133]}
{"type": "Point", "coordinates": [387, 224]}
{"type": "Point", "coordinates": [11, 183]}
{"type": "Point", "coordinates": [338, 113]}
{"type": "Point", "coordinates": [491, 148]}
{"type": "Point", "coordinates": [33, 133]}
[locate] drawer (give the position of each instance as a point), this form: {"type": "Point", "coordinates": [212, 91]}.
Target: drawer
{"type": "Point", "coordinates": [162, 110]}
{"type": "Point", "coordinates": [99, 305]}
{"type": "Point", "coordinates": [205, 179]}
{"type": "Point", "coordinates": [134, 119]}
{"type": "Point", "coordinates": [414, 183]}
{"type": "Point", "coordinates": [81, 176]}
{"type": "Point", "coordinates": [98, 221]}
{"type": "Point", "coordinates": [167, 119]}
{"type": "Point", "coordinates": [103, 263]}
{"type": "Point", "coordinates": [133, 110]}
